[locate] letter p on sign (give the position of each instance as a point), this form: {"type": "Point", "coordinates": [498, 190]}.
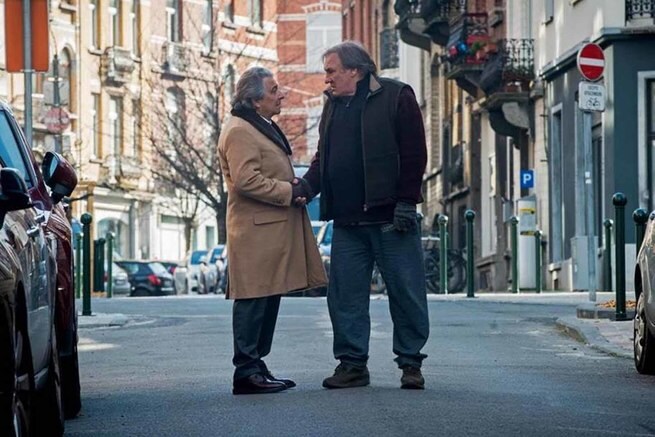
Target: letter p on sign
{"type": "Point", "coordinates": [527, 179]}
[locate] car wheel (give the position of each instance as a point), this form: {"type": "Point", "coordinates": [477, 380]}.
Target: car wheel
{"type": "Point", "coordinates": [644, 342]}
{"type": "Point", "coordinates": [70, 376]}
{"type": "Point", "coordinates": [13, 371]}
{"type": "Point", "coordinates": [49, 411]}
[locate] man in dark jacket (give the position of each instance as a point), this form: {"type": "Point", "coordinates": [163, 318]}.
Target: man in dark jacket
{"type": "Point", "coordinates": [368, 168]}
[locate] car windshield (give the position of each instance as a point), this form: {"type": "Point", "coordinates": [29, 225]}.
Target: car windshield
{"type": "Point", "coordinates": [10, 155]}
{"type": "Point", "coordinates": [158, 268]}
{"type": "Point", "coordinates": [216, 253]}
{"type": "Point", "coordinates": [196, 256]}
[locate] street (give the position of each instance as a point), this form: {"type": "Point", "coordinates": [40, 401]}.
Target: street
{"type": "Point", "coordinates": [494, 368]}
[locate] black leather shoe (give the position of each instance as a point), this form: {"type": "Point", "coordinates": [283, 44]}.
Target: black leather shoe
{"type": "Point", "coordinates": [289, 383]}
{"type": "Point", "coordinates": [256, 384]}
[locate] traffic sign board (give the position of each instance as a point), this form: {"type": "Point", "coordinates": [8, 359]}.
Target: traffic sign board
{"type": "Point", "coordinates": [591, 97]}
{"type": "Point", "coordinates": [527, 178]}
{"type": "Point", "coordinates": [591, 61]}
{"type": "Point", "coordinates": [56, 120]}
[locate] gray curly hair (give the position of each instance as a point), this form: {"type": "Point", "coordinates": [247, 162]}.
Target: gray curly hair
{"type": "Point", "coordinates": [250, 88]}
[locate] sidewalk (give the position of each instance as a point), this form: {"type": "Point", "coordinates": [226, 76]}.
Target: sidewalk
{"type": "Point", "coordinates": [588, 323]}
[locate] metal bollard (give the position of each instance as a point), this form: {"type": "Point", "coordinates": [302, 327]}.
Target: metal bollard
{"type": "Point", "coordinates": [110, 261]}
{"type": "Point", "coordinates": [640, 217]}
{"type": "Point", "coordinates": [537, 262]}
{"type": "Point", "coordinates": [514, 231]}
{"type": "Point", "coordinates": [78, 266]}
{"type": "Point", "coordinates": [99, 265]}
{"type": "Point", "coordinates": [469, 215]}
{"type": "Point", "coordinates": [619, 200]}
{"type": "Point", "coordinates": [443, 255]}
{"type": "Point", "coordinates": [86, 220]}
{"type": "Point", "coordinates": [607, 261]}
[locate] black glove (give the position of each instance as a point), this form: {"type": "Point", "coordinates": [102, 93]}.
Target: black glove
{"type": "Point", "coordinates": [404, 217]}
{"type": "Point", "coordinates": [301, 189]}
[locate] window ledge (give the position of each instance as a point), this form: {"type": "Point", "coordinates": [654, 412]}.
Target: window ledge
{"type": "Point", "coordinates": [229, 25]}
{"type": "Point", "coordinates": [67, 7]}
{"type": "Point", "coordinates": [255, 30]}
{"type": "Point", "coordinates": [95, 51]}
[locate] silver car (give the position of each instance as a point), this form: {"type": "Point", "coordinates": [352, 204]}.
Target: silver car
{"type": "Point", "coordinates": [119, 280]}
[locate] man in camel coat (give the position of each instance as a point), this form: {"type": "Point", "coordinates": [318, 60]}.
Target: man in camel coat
{"type": "Point", "coordinates": [271, 247]}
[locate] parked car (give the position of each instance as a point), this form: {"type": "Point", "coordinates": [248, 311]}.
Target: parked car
{"type": "Point", "coordinates": [171, 267]}
{"type": "Point", "coordinates": [119, 280]}
{"type": "Point", "coordinates": [39, 377]}
{"type": "Point", "coordinates": [215, 265]}
{"type": "Point", "coordinates": [148, 278]}
{"type": "Point", "coordinates": [196, 264]}
{"type": "Point", "coordinates": [644, 321]}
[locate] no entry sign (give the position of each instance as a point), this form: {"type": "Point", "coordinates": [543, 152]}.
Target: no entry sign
{"type": "Point", "coordinates": [591, 61]}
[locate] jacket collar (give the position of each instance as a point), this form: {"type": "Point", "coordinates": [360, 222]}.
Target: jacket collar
{"type": "Point", "coordinates": [270, 130]}
{"type": "Point", "coordinates": [374, 87]}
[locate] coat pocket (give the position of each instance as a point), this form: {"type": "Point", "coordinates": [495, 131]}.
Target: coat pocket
{"type": "Point", "coordinates": [265, 217]}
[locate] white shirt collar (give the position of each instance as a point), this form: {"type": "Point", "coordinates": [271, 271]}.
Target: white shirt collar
{"type": "Point", "coordinates": [266, 119]}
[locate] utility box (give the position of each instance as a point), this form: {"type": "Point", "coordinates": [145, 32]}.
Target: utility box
{"type": "Point", "coordinates": [527, 213]}
{"type": "Point", "coordinates": [580, 262]}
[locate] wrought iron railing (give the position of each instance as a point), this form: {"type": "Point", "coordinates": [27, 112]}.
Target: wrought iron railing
{"type": "Point", "coordinates": [639, 9]}
{"type": "Point", "coordinates": [421, 8]}
{"type": "Point", "coordinates": [517, 58]}
{"type": "Point", "coordinates": [388, 49]}
{"type": "Point", "coordinates": [469, 37]}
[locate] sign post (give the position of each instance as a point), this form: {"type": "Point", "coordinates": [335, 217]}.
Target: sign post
{"type": "Point", "coordinates": [591, 98]}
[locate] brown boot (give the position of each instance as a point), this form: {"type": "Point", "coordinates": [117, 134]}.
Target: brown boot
{"type": "Point", "coordinates": [412, 378]}
{"type": "Point", "coordinates": [346, 376]}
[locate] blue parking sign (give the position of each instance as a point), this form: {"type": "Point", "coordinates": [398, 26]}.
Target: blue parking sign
{"type": "Point", "coordinates": [527, 178]}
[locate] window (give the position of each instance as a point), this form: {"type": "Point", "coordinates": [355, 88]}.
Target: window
{"type": "Point", "coordinates": [134, 24]}
{"type": "Point", "coordinates": [208, 27]}
{"type": "Point", "coordinates": [210, 114]}
{"type": "Point", "coordinates": [313, 118]}
{"type": "Point", "coordinates": [229, 11]}
{"type": "Point", "coordinates": [323, 31]}
{"type": "Point", "coordinates": [136, 128]}
{"type": "Point", "coordinates": [115, 22]}
{"type": "Point", "coordinates": [210, 233]}
{"type": "Point", "coordinates": [230, 83]}
{"type": "Point", "coordinates": [175, 115]}
{"type": "Point", "coordinates": [65, 81]}
{"type": "Point", "coordinates": [549, 10]}
{"type": "Point", "coordinates": [115, 125]}
{"type": "Point", "coordinates": [173, 20]}
{"type": "Point", "coordinates": [95, 37]}
{"type": "Point", "coordinates": [95, 115]}
{"type": "Point", "coordinates": [10, 148]}
{"type": "Point", "coordinates": [255, 12]}
{"type": "Point", "coordinates": [557, 175]}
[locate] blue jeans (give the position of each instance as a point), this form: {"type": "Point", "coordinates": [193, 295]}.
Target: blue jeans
{"type": "Point", "coordinates": [399, 257]}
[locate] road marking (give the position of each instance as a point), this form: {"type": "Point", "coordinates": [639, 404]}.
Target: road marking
{"type": "Point", "coordinates": [86, 344]}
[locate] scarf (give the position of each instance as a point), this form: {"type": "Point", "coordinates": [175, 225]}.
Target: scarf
{"type": "Point", "coordinates": [272, 131]}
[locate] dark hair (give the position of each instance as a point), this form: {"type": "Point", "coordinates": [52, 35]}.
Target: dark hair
{"type": "Point", "coordinates": [353, 56]}
{"type": "Point", "coordinates": [250, 88]}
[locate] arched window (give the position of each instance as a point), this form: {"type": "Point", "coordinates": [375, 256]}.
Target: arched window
{"type": "Point", "coordinates": [66, 79]}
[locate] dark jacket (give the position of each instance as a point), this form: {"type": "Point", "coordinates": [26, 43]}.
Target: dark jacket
{"type": "Point", "coordinates": [393, 147]}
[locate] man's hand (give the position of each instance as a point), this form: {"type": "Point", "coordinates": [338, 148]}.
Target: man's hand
{"type": "Point", "coordinates": [301, 192]}
{"type": "Point", "coordinates": [404, 217]}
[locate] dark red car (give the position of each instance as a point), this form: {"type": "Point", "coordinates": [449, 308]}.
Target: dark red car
{"type": "Point", "coordinates": [39, 378]}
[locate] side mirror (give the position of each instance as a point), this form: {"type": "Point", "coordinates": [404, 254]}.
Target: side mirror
{"type": "Point", "coordinates": [13, 192]}
{"type": "Point", "coordinates": [59, 175]}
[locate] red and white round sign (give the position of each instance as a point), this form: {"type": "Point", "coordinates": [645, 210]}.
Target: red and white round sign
{"type": "Point", "coordinates": [56, 120]}
{"type": "Point", "coordinates": [591, 61]}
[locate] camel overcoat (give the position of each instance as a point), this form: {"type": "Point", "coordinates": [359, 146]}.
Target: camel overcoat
{"type": "Point", "coordinates": [271, 248]}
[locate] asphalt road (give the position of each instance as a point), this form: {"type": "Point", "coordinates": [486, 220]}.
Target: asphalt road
{"type": "Point", "coordinates": [493, 369]}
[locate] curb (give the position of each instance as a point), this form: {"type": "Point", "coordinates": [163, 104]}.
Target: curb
{"type": "Point", "coordinates": [100, 320]}
{"type": "Point", "coordinates": [590, 336]}
{"type": "Point", "coordinates": [592, 311]}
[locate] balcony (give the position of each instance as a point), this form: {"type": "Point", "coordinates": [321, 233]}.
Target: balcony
{"type": "Point", "coordinates": [639, 12]}
{"type": "Point", "coordinates": [506, 81]}
{"type": "Point", "coordinates": [423, 21]}
{"type": "Point", "coordinates": [117, 65]}
{"type": "Point", "coordinates": [123, 171]}
{"type": "Point", "coordinates": [175, 57]}
{"type": "Point", "coordinates": [388, 49]}
{"type": "Point", "coordinates": [467, 50]}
